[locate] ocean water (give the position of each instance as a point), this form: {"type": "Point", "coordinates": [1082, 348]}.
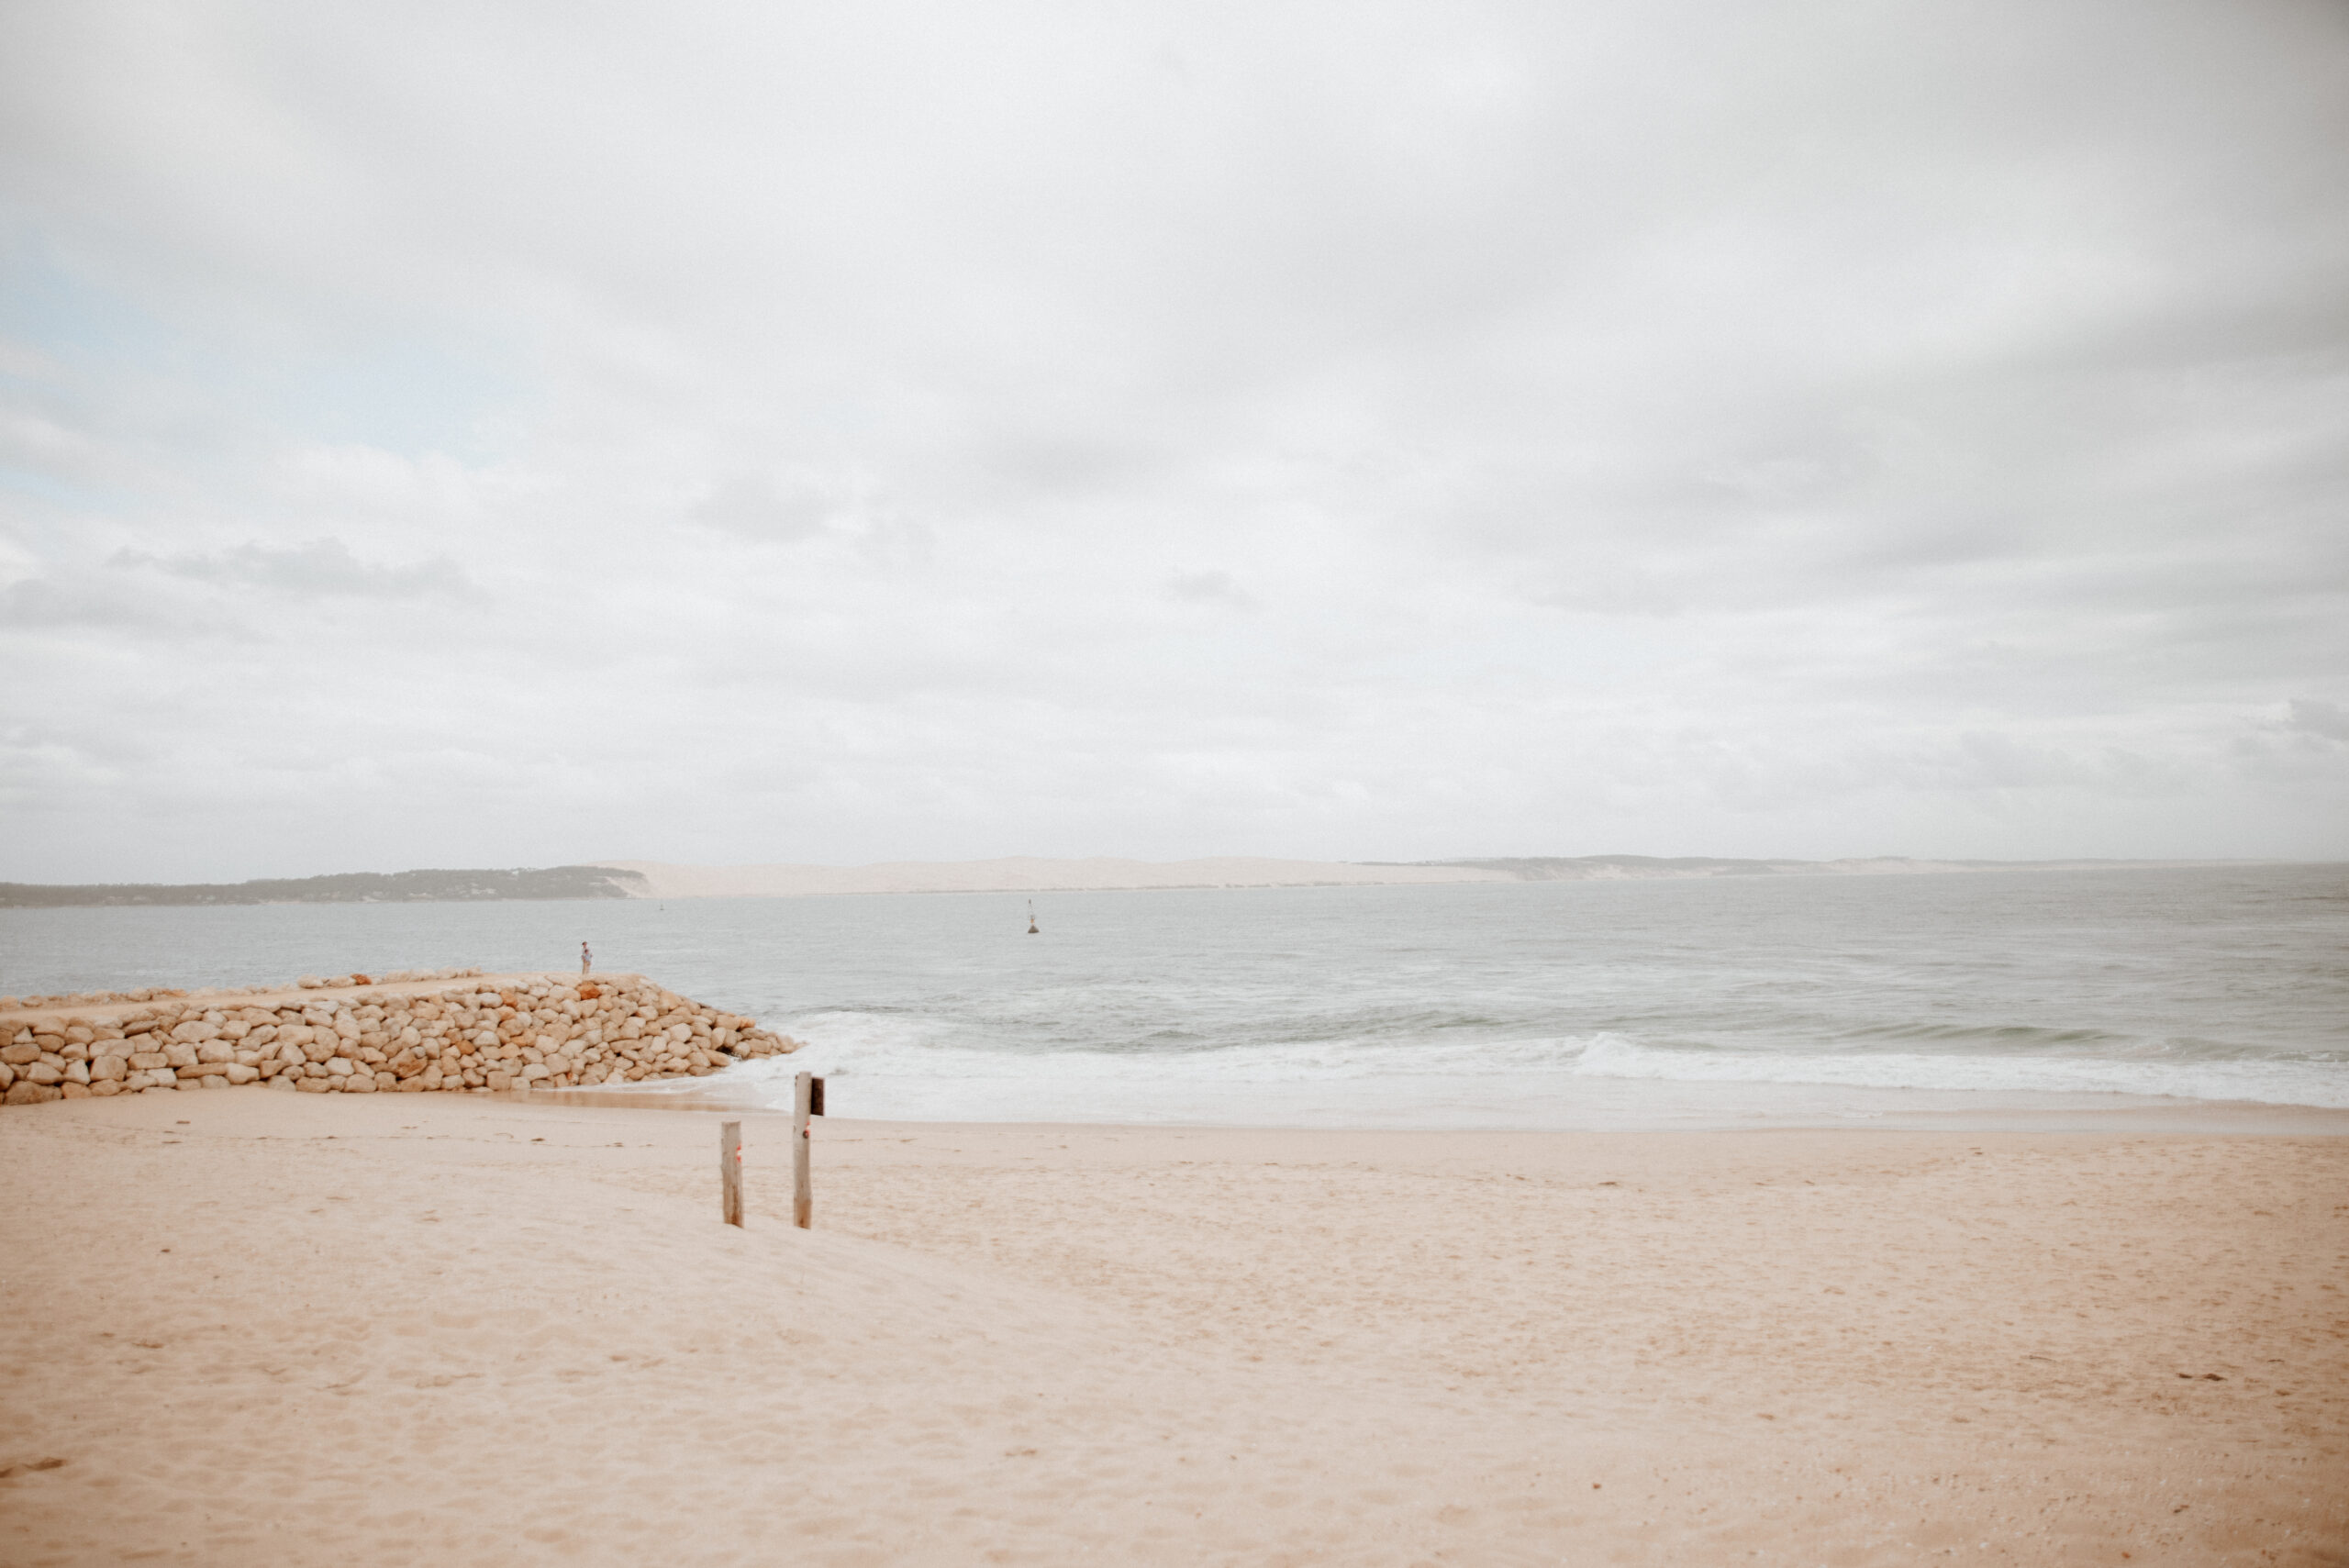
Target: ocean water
{"type": "Point", "coordinates": [2030, 997]}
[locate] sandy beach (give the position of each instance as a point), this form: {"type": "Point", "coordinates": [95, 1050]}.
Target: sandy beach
{"type": "Point", "coordinates": [292, 1328]}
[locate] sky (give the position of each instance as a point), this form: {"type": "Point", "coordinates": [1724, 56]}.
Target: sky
{"type": "Point", "coordinates": [510, 434]}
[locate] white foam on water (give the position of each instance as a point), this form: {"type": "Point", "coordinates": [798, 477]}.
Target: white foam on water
{"type": "Point", "coordinates": [2316, 1084]}
{"type": "Point", "coordinates": [907, 1067]}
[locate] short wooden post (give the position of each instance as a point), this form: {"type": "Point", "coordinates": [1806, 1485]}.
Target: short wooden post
{"type": "Point", "coordinates": [730, 1170]}
{"type": "Point", "coordinates": [803, 1189]}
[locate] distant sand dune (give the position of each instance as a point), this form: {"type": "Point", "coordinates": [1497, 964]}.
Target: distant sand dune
{"type": "Point", "coordinates": [1027, 874]}
{"type": "Point", "coordinates": [1033, 873]}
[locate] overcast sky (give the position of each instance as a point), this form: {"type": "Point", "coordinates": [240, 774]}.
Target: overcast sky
{"type": "Point", "coordinates": [497, 434]}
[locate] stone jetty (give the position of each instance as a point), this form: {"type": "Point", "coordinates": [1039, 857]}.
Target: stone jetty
{"type": "Point", "coordinates": [451, 1032]}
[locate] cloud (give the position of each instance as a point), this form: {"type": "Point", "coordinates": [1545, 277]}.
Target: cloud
{"type": "Point", "coordinates": [48, 602]}
{"type": "Point", "coordinates": [773, 433]}
{"type": "Point", "coordinates": [1211, 588]}
{"type": "Point", "coordinates": [316, 567]}
{"type": "Point", "coordinates": [755, 508]}
{"type": "Point", "coordinates": [2329, 721]}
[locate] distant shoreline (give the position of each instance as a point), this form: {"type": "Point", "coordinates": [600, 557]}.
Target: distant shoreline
{"type": "Point", "coordinates": [652, 879]}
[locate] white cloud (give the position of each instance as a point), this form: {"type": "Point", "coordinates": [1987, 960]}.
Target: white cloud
{"type": "Point", "coordinates": [1377, 430]}
{"type": "Point", "coordinates": [318, 566]}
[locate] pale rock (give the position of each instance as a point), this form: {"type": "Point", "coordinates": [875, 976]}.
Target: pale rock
{"type": "Point", "coordinates": [239, 1073]}
{"type": "Point", "coordinates": [73, 1091]}
{"type": "Point", "coordinates": [340, 1066]}
{"type": "Point", "coordinates": [106, 1069]}
{"type": "Point", "coordinates": [180, 1055]}
{"type": "Point", "coordinates": [43, 1073]}
{"type": "Point", "coordinates": [20, 1055]}
{"type": "Point", "coordinates": [147, 1061]}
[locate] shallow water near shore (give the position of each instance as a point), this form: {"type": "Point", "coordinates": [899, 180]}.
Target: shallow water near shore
{"type": "Point", "coordinates": [2004, 998]}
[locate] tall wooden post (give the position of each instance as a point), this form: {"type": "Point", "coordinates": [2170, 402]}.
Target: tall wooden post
{"type": "Point", "coordinates": [803, 1188]}
{"type": "Point", "coordinates": [730, 1170]}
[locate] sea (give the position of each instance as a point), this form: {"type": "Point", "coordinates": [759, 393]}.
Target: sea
{"type": "Point", "coordinates": [2162, 997]}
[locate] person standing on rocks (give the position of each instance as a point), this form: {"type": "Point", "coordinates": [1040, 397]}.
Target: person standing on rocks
{"type": "Point", "coordinates": [587, 959]}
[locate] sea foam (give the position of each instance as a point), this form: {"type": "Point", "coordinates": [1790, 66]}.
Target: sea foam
{"type": "Point", "coordinates": [2305, 1082]}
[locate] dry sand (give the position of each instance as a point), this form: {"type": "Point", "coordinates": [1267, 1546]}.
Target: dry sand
{"type": "Point", "coordinates": [269, 1328]}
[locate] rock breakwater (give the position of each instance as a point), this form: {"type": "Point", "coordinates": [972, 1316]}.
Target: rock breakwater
{"type": "Point", "coordinates": [168, 994]}
{"type": "Point", "coordinates": [482, 1035]}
